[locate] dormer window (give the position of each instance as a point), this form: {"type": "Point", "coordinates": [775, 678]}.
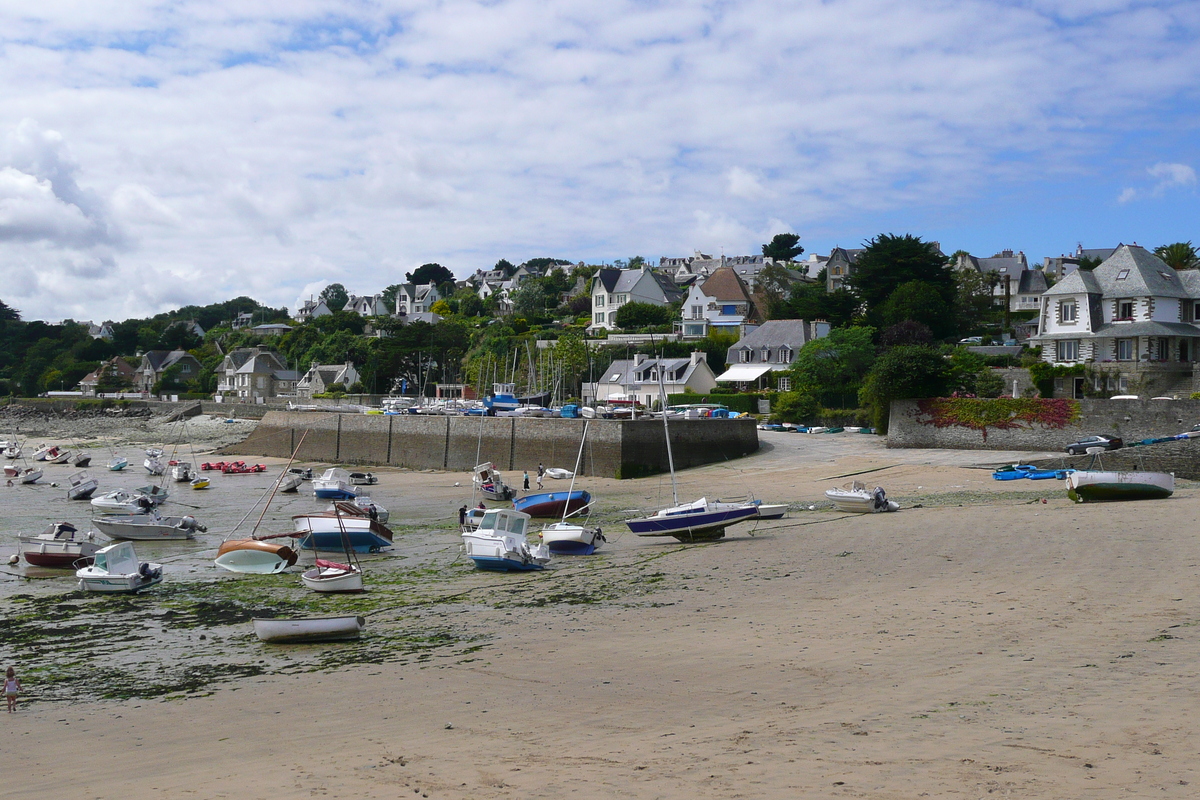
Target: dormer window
{"type": "Point", "coordinates": [1125, 309]}
{"type": "Point", "coordinates": [1123, 274]}
{"type": "Point", "coordinates": [785, 355]}
{"type": "Point", "coordinates": [766, 354]}
{"type": "Point", "coordinates": [744, 356]}
{"type": "Point", "coordinates": [1068, 311]}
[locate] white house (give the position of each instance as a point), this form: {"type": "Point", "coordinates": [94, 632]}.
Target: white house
{"type": "Point", "coordinates": [249, 373]}
{"type": "Point", "coordinates": [1133, 319]}
{"type": "Point", "coordinates": [721, 303]}
{"type": "Point", "coordinates": [638, 379]}
{"type": "Point", "coordinates": [613, 288]}
{"type": "Point", "coordinates": [311, 309]}
{"type": "Point", "coordinates": [367, 305]}
{"type": "Point", "coordinates": [320, 377]}
{"type": "Point", "coordinates": [416, 298]}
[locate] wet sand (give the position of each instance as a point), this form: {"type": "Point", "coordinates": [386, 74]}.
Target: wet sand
{"type": "Point", "coordinates": [985, 644]}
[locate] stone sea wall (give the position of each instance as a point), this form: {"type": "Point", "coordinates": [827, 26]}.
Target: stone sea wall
{"type": "Point", "coordinates": [614, 448]}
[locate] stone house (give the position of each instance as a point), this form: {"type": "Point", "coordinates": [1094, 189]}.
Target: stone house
{"type": "Point", "coordinates": [760, 358]}
{"type": "Point", "coordinates": [250, 373]}
{"type": "Point", "coordinates": [118, 368]}
{"type": "Point", "coordinates": [320, 377]}
{"type": "Point", "coordinates": [1133, 321]}
{"type": "Point", "coordinates": [840, 266]}
{"type": "Point", "coordinates": [156, 362]}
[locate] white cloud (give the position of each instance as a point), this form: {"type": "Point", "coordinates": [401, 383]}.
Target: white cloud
{"type": "Point", "coordinates": [1127, 194]}
{"type": "Point", "coordinates": [219, 149]}
{"type": "Point", "coordinates": [1171, 176]}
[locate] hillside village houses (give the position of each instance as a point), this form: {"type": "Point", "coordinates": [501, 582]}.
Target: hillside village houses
{"type": "Point", "coordinates": [1010, 273]}
{"type": "Point", "coordinates": [415, 299]}
{"type": "Point", "coordinates": [720, 304]}
{"type": "Point", "coordinates": [320, 377]}
{"type": "Point", "coordinates": [116, 369]}
{"type": "Point", "coordinates": [613, 288]}
{"type": "Point", "coordinates": [638, 379]}
{"type": "Point", "coordinates": [1134, 320]}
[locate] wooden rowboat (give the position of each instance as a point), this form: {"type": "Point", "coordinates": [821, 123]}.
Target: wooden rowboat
{"type": "Point", "coordinates": [311, 629]}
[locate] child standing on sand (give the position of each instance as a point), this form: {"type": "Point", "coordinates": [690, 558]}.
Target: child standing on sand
{"type": "Point", "coordinates": [12, 686]}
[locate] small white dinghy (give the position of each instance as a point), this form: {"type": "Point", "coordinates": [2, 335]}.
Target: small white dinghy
{"type": "Point", "coordinates": [312, 629]}
{"type": "Point", "coordinates": [331, 576]}
{"type": "Point", "coordinates": [772, 511]}
{"type": "Point", "coordinates": [116, 569]}
{"type": "Point", "coordinates": [572, 538]}
{"type": "Point", "coordinates": [856, 498]}
{"type": "Point", "coordinates": [559, 474]}
{"type": "Point", "coordinates": [122, 501]}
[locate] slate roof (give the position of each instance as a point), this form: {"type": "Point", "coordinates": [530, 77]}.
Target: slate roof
{"type": "Point", "coordinates": [773, 334]}
{"type": "Point", "coordinates": [1121, 330]}
{"type": "Point", "coordinates": [263, 362]}
{"type": "Point", "coordinates": [624, 372]}
{"type": "Point", "coordinates": [1077, 282]}
{"type": "Point", "coordinates": [1146, 275]}
{"type": "Point", "coordinates": [1033, 281]}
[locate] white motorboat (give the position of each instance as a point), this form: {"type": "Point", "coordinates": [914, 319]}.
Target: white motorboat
{"type": "Point", "coordinates": [181, 472]}
{"type": "Point", "coordinates": [122, 501]}
{"type": "Point", "coordinates": [26, 475]}
{"type": "Point", "coordinates": [323, 529]}
{"type": "Point", "coordinates": [559, 474]}
{"type": "Point", "coordinates": [154, 466]}
{"type": "Point", "coordinates": [499, 543]}
{"type": "Point", "coordinates": [58, 456]}
{"type": "Point", "coordinates": [856, 498]}
{"type": "Point", "coordinates": [43, 452]}
{"type": "Point", "coordinates": [147, 527]}
{"type": "Point", "coordinates": [12, 452]}
{"type": "Point", "coordinates": [1101, 485]}
{"type": "Point", "coordinates": [116, 569]}
{"type": "Point", "coordinates": [331, 577]}
{"type": "Point", "coordinates": [363, 479]}
{"type": "Point", "coordinates": [58, 546]}
{"type": "Point", "coordinates": [154, 452]}
{"type": "Point", "coordinates": [373, 509]}
{"type": "Point", "coordinates": [82, 486]}
{"type": "Point", "coordinates": [254, 556]}
{"type": "Point", "coordinates": [334, 484]}
{"type": "Point", "coordinates": [310, 629]}
{"type": "Point", "coordinates": [118, 463]}
{"type": "Point", "coordinates": [155, 494]}
{"type": "Point", "coordinates": [290, 484]}
{"type": "Point", "coordinates": [572, 538]}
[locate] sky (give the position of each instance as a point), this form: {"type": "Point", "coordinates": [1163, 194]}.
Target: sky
{"type": "Point", "coordinates": [157, 154]}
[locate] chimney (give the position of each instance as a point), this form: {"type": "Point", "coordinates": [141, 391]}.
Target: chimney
{"type": "Point", "coordinates": [638, 358]}
{"type": "Point", "coordinates": [697, 357]}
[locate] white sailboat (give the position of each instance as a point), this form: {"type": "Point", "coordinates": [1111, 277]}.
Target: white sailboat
{"type": "Point", "coordinates": [573, 538]}
{"type": "Point", "coordinates": [334, 577]}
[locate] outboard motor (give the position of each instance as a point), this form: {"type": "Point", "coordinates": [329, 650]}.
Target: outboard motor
{"type": "Point", "coordinates": [880, 498]}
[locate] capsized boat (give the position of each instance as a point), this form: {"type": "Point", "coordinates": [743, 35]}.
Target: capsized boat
{"type": "Point", "coordinates": [154, 466]}
{"type": "Point", "coordinates": [308, 629]}
{"type": "Point", "coordinates": [82, 486]}
{"type": "Point", "coordinates": [116, 569]}
{"type": "Point", "coordinates": [82, 460]}
{"type": "Point", "coordinates": [334, 484]}
{"type": "Point", "coordinates": [254, 556]}
{"type": "Point", "coordinates": [499, 543]}
{"type": "Point", "coordinates": [856, 498]}
{"type": "Point", "coordinates": [1089, 486]}
{"type": "Point", "coordinates": [553, 504]}
{"type": "Point", "coordinates": [145, 527]}
{"type": "Point", "coordinates": [290, 484]}
{"type": "Point", "coordinates": [322, 530]}
{"type": "Point", "coordinates": [489, 483]}
{"type": "Point", "coordinates": [58, 546]}
{"type": "Point", "coordinates": [27, 475]}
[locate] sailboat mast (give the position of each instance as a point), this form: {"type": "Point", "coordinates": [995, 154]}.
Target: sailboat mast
{"type": "Point", "coordinates": [662, 394]}
{"type": "Point", "coordinates": [578, 461]}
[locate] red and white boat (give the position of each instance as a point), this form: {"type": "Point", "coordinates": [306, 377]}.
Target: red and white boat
{"type": "Point", "coordinates": [58, 546]}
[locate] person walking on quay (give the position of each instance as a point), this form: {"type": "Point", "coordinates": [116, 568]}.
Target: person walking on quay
{"type": "Point", "coordinates": [12, 687]}
{"type": "Point", "coordinates": [527, 480]}
{"type": "Point", "coordinates": [541, 472]}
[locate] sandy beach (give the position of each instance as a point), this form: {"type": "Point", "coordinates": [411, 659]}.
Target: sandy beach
{"type": "Point", "coordinates": [983, 644]}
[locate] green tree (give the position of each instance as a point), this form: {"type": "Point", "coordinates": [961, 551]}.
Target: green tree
{"type": "Point", "coordinates": [430, 273]}
{"type": "Point", "coordinates": [389, 296]}
{"type": "Point", "coordinates": [506, 267]}
{"type": "Point", "coordinates": [775, 282]}
{"type": "Point", "coordinates": [7, 312]}
{"type": "Point", "coordinates": [1088, 263]}
{"type": "Point", "coordinates": [643, 315]}
{"type": "Point", "coordinates": [835, 364]}
{"type": "Point", "coordinates": [906, 332]}
{"type": "Point", "coordinates": [335, 296]}
{"type": "Point", "coordinates": [888, 262]}
{"type": "Point", "coordinates": [794, 407]}
{"type": "Point", "coordinates": [918, 301]}
{"type": "Point", "coordinates": [571, 356]}
{"type": "Point", "coordinates": [810, 301]}
{"type": "Point", "coordinates": [903, 372]}
{"type": "Point", "coordinates": [783, 247]}
{"type": "Point", "coordinates": [529, 300]}
{"type": "Point", "coordinates": [1180, 255]}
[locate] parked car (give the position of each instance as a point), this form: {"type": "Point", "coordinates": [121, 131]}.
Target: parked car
{"type": "Point", "coordinates": [1088, 442]}
{"type": "Point", "coordinates": [971, 340]}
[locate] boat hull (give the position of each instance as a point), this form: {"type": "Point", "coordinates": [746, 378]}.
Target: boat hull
{"type": "Point", "coordinates": [42, 551]}
{"type": "Point", "coordinates": [253, 556]}
{"type": "Point", "coordinates": [335, 493]}
{"type": "Point", "coordinates": [303, 631]}
{"type": "Point", "coordinates": [858, 502]}
{"type": "Point", "coordinates": [1105, 486]}
{"type": "Point", "coordinates": [571, 540]}
{"type": "Point", "coordinates": [766, 511]}
{"type": "Point", "coordinates": [140, 527]}
{"type": "Point", "coordinates": [83, 491]}
{"type": "Point", "coordinates": [332, 580]}
{"type": "Point", "coordinates": [552, 504]}
{"type": "Point", "coordinates": [692, 526]}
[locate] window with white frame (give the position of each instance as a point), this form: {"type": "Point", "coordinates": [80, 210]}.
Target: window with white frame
{"type": "Point", "coordinates": [697, 312]}
{"type": "Point", "coordinates": [1124, 309]}
{"type": "Point", "coordinates": [1068, 311]}
{"type": "Point", "coordinates": [785, 383]}
{"type": "Point", "coordinates": [621, 298]}
{"type": "Point", "coordinates": [1068, 350]}
{"type": "Point", "coordinates": [599, 301]}
{"type": "Point", "coordinates": [744, 355]}
{"type": "Point", "coordinates": [766, 354]}
{"type": "Point", "coordinates": [1124, 349]}
{"type": "Point", "coordinates": [600, 318]}
{"type": "Point", "coordinates": [785, 355]}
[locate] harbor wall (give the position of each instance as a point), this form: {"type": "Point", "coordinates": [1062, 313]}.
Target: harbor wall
{"type": "Point", "coordinates": [1132, 420]}
{"type": "Point", "coordinates": [614, 448]}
